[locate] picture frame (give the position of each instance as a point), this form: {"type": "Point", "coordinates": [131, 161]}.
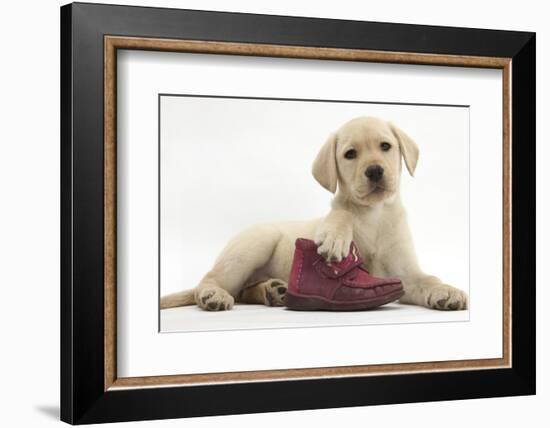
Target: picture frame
{"type": "Point", "coordinates": [91, 390]}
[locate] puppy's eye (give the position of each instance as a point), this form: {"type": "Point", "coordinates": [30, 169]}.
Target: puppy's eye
{"type": "Point", "coordinates": [385, 146]}
{"type": "Point", "coordinates": [350, 154]}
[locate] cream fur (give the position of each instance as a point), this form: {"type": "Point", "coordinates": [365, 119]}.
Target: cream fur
{"type": "Point", "coordinates": [371, 214]}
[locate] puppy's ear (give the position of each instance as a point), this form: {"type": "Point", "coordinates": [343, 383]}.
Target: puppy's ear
{"type": "Point", "coordinates": [408, 148]}
{"type": "Point", "coordinates": [324, 166]}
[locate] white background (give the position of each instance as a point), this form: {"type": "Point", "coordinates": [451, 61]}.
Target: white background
{"type": "Point", "coordinates": [29, 173]}
{"type": "Point", "coordinates": [142, 351]}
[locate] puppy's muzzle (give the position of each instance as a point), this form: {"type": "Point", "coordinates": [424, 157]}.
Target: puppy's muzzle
{"type": "Point", "coordinates": [374, 173]}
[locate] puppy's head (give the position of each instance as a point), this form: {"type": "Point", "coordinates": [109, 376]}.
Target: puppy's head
{"type": "Point", "coordinates": [363, 159]}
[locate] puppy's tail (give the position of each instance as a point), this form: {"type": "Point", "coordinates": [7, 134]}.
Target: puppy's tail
{"type": "Point", "coordinates": [182, 298]}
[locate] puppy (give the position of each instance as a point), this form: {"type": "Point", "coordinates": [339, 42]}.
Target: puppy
{"type": "Point", "coordinates": [361, 164]}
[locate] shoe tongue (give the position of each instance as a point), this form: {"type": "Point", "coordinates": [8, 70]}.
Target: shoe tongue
{"type": "Point", "coordinates": [336, 269]}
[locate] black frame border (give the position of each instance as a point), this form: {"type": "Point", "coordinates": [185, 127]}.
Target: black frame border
{"type": "Point", "coordinates": [83, 399]}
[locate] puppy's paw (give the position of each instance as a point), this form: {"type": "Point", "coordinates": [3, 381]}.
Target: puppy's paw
{"type": "Point", "coordinates": [274, 292]}
{"type": "Point", "coordinates": [445, 297]}
{"type": "Point", "coordinates": [214, 299]}
{"type": "Point", "coordinates": [333, 246]}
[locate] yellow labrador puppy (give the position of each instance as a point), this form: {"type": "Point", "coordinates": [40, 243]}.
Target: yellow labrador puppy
{"type": "Point", "coordinates": [361, 165]}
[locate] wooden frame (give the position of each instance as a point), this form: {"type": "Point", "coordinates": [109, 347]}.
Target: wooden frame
{"type": "Point", "coordinates": [513, 53]}
{"type": "Point", "coordinates": [112, 43]}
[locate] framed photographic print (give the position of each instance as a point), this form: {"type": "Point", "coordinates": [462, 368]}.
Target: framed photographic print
{"type": "Point", "coordinates": [265, 213]}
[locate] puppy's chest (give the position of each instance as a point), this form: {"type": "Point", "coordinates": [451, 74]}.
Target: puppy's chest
{"type": "Point", "coordinates": [367, 236]}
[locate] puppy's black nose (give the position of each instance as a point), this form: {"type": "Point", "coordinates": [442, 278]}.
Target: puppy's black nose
{"type": "Point", "coordinates": [374, 172]}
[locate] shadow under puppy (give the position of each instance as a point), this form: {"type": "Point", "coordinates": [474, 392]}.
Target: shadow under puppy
{"type": "Point", "coordinates": [361, 164]}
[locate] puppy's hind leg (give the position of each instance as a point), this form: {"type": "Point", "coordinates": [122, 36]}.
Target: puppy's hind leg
{"type": "Point", "coordinates": [270, 292]}
{"type": "Point", "coordinates": [237, 263]}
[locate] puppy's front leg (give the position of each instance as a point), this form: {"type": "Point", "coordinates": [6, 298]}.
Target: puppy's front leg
{"type": "Point", "coordinates": [334, 235]}
{"type": "Point", "coordinates": [431, 292]}
{"type": "Point", "coordinates": [399, 260]}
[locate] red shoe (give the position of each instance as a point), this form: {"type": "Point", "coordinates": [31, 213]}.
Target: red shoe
{"type": "Point", "coordinates": [316, 284]}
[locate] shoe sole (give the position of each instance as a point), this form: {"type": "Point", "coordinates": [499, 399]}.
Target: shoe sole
{"type": "Point", "coordinates": [316, 303]}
